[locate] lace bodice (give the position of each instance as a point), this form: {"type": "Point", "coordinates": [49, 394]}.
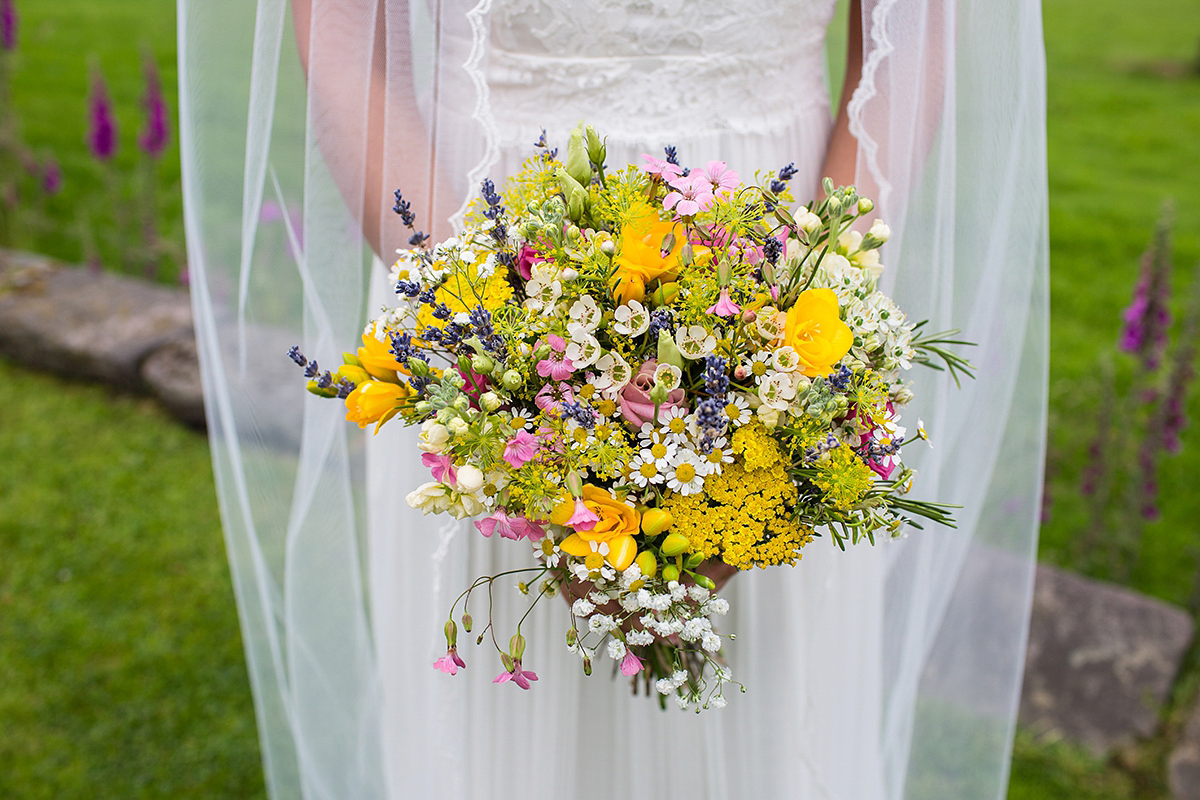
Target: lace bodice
{"type": "Point", "coordinates": [643, 69]}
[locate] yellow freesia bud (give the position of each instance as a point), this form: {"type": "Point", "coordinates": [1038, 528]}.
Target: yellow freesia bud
{"type": "Point", "coordinates": [647, 563]}
{"type": "Point", "coordinates": [352, 373]}
{"type": "Point", "coordinates": [670, 572]}
{"type": "Point", "coordinates": [377, 359]}
{"type": "Point", "coordinates": [674, 544]}
{"type": "Point", "coordinates": [655, 521]}
{"type": "Point", "coordinates": [665, 293]}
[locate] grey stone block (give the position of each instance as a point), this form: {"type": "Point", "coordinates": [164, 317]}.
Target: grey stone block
{"type": "Point", "coordinates": [78, 324]}
{"type": "Point", "coordinates": [1101, 660]}
{"type": "Point", "coordinates": [172, 374]}
{"type": "Point", "coordinates": [1183, 767]}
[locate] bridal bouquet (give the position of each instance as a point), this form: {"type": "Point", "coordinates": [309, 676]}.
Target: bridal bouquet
{"type": "Point", "coordinates": [650, 375]}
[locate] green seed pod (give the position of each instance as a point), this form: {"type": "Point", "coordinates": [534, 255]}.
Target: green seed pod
{"type": "Point", "coordinates": [467, 622]}
{"type": "Point", "coordinates": [516, 646]}
{"type": "Point", "coordinates": [451, 633]}
{"type": "Point", "coordinates": [512, 380]}
{"type": "Point", "coordinates": [670, 572]}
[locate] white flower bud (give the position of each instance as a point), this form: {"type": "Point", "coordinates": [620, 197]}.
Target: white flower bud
{"type": "Point", "coordinates": [458, 426]}
{"type": "Point", "coordinates": [470, 478]}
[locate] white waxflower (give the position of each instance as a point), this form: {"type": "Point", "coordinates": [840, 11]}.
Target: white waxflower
{"type": "Point", "coordinates": [582, 349]}
{"type": "Point", "coordinates": [631, 319]}
{"type": "Point", "coordinates": [614, 374]}
{"type": "Point", "coordinates": [776, 390]}
{"type": "Point", "coordinates": [695, 341]}
{"type": "Point", "coordinates": [668, 376]}
{"type": "Point", "coordinates": [785, 359]}
{"type": "Point", "coordinates": [584, 315]}
{"type": "Point", "coordinates": [541, 294]}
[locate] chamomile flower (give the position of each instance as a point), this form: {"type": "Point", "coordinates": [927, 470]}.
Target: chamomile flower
{"type": "Point", "coordinates": [685, 474]}
{"type": "Point", "coordinates": [759, 366]}
{"type": "Point", "coordinates": [644, 470]}
{"type": "Point", "coordinates": [715, 459]}
{"type": "Point", "coordinates": [737, 409]}
{"type": "Point", "coordinates": [675, 421]}
{"type": "Point", "coordinates": [650, 434]}
{"type": "Point", "coordinates": [661, 453]}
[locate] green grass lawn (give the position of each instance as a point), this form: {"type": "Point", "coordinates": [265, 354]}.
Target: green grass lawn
{"type": "Point", "coordinates": [121, 671]}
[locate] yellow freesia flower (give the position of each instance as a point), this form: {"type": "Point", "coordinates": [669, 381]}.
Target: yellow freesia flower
{"type": "Point", "coordinates": [375, 401]}
{"type": "Point", "coordinates": [377, 359]}
{"type": "Point", "coordinates": [615, 527]}
{"type": "Point", "coordinates": [641, 260]}
{"type": "Point", "coordinates": [816, 332]}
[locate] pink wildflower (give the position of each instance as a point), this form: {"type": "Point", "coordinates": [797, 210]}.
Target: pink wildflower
{"type": "Point", "coordinates": [521, 677]}
{"type": "Point", "coordinates": [583, 518]}
{"type": "Point", "coordinates": [724, 307]}
{"type": "Point", "coordinates": [557, 367]}
{"type": "Point", "coordinates": [521, 449]}
{"type": "Point", "coordinates": [692, 194]}
{"type": "Point", "coordinates": [549, 396]}
{"type": "Point", "coordinates": [450, 662]}
{"type": "Point", "coordinates": [525, 261]}
{"type": "Point", "coordinates": [515, 528]}
{"type": "Point", "coordinates": [722, 179]}
{"type": "Point", "coordinates": [441, 467]}
{"type": "Point", "coordinates": [631, 664]}
{"type": "Point", "coordinates": [660, 168]}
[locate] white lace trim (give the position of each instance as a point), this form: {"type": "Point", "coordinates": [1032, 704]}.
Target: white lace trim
{"type": "Point", "coordinates": [881, 48]}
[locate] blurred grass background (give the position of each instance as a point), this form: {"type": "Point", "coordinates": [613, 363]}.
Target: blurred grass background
{"type": "Point", "coordinates": [121, 670]}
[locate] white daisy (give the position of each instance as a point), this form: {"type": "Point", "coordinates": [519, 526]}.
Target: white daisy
{"type": "Point", "coordinates": [685, 475]}
{"type": "Point", "coordinates": [675, 421]}
{"type": "Point", "coordinates": [737, 409]}
{"type": "Point", "coordinates": [759, 365]}
{"type": "Point", "coordinates": [644, 471]}
{"type": "Point", "coordinates": [720, 454]}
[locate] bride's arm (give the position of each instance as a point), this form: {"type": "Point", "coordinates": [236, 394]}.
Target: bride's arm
{"type": "Point", "coordinates": [842, 153]}
{"type": "Point", "coordinates": [391, 120]}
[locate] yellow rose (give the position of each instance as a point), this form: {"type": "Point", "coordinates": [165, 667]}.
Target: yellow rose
{"type": "Point", "coordinates": [618, 522]}
{"type": "Point", "coordinates": [377, 359]}
{"type": "Point", "coordinates": [640, 260]}
{"type": "Point", "coordinates": [375, 401]}
{"type": "Point", "coordinates": [816, 332]}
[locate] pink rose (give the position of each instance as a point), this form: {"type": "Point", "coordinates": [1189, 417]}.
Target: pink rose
{"type": "Point", "coordinates": [634, 399]}
{"type": "Point", "coordinates": [525, 261]}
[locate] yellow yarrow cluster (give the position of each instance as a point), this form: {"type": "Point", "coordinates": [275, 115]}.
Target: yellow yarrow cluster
{"type": "Point", "coordinates": [745, 514]}
{"type": "Point", "coordinates": [464, 290]}
{"type": "Point", "coordinates": [843, 477]}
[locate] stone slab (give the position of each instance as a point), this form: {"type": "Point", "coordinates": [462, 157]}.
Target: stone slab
{"type": "Point", "coordinates": [172, 374]}
{"type": "Point", "coordinates": [1183, 766]}
{"type": "Point", "coordinates": [83, 325]}
{"type": "Point", "coordinates": [1101, 660]}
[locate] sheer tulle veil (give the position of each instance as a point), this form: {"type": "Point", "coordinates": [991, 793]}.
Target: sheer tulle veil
{"type": "Point", "coordinates": [340, 587]}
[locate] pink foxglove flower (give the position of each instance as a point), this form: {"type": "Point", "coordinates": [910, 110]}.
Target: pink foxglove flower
{"type": "Point", "coordinates": [102, 129]}
{"type": "Point", "coordinates": [630, 665]}
{"type": "Point", "coordinates": [153, 139]}
{"type": "Point", "coordinates": [724, 307]}
{"type": "Point", "coordinates": [722, 179]}
{"type": "Point", "coordinates": [441, 467]}
{"type": "Point", "coordinates": [521, 677]}
{"type": "Point", "coordinates": [692, 195]}
{"type": "Point", "coordinates": [8, 25]}
{"type": "Point", "coordinates": [450, 663]}
{"type": "Point", "coordinates": [660, 168]}
{"type": "Point", "coordinates": [521, 449]}
{"type": "Point", "coordinates": [557, 366]}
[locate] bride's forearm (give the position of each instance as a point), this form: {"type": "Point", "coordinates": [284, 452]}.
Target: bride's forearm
{"type": "Point", "coordinates": [355, 145]}
{"type": "Point", "coordinates": [842, 153]}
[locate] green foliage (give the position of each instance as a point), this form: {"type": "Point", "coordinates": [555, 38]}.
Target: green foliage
{"type": "Point", "coordinates": [121, 667]}
{"type": "Point", "coordinates": [60, 42]}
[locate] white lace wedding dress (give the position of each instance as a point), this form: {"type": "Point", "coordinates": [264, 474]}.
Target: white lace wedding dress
{"type": "Point", "coordinates": [700, 77]}
{"type": "Point", "coordinates": [882, 672]}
